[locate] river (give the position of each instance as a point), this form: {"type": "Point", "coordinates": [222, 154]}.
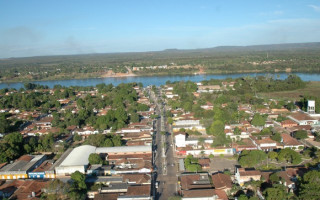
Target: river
{"type": "Point", "coordinates": [156, 80]}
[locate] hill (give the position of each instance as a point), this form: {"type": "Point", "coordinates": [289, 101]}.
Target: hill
{"type": "Point", "coordinates": [298, 57]}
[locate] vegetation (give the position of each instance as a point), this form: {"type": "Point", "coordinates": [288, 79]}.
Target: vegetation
{"type": "Point", "coordinates": [301, 57]}
{"type": "Point", "coordinates": [251, 158]}
{"type": "Point", "coordinates": [192, 164]}
{"type": "Point", "coordinates": [95, 159]}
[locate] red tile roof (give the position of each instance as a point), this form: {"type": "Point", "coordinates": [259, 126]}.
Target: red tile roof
{"type": "Point", "coordinates": [221, 181]}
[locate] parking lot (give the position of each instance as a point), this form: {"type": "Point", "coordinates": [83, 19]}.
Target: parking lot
{"type": "Point", "coordinates": [221, 164]}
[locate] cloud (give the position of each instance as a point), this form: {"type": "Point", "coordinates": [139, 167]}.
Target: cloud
{"type": "Point", "coordinates": [315, 8]}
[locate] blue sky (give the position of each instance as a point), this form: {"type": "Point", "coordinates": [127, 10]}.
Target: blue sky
{"type": "Point", "coordinates": [43, 27]}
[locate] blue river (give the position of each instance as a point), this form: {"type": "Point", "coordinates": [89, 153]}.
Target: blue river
{"type": "Point", "coordinates": [157, 80]}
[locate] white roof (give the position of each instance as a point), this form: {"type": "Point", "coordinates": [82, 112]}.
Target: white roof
{"type": "Point", "coordinates": [123, 149]}
{"type": "Point", "coordinates": [79, 156]}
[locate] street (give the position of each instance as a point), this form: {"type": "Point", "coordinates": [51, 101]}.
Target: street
{"type": "Point", "coordinates": [166, 173]}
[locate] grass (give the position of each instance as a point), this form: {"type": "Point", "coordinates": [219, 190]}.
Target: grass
{"type": "Point", "coordinates": [312, 89]}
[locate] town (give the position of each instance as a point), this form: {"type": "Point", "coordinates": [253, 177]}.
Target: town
{"type": "Point", "coordinates": [214, 139]}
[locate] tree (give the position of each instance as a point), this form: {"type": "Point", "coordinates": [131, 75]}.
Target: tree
{"type": "Point", "coordinates": [216, 128]}
{"type": "Point", "coordinates": [274, 178]}
{"type": "Point", "coordinates": [252, 158]}
{"type": "Point", "coordinates": [4, 123]}
{"type": "Point", "coordinates": [273, 155]}
{"type": "Point", "coordinates": [77, 137]}
{"type": "Point", "coordinates": [290, 156]}
{"type": "Point", "coordinates": [275, 193]}
{"type": "Point", "coordinates": [301, 134]}
{"type": "Point", "coordinates": [237, 131]}
{"type": "Point", "coordinates": [242, 197]}
{"type": "Point", "coordinates": [276, 137]}
{"type": "Point", "coordinates": [309, 186]}
{"type": "Point", "coordinates": [108, 143]}
{"type": "Point", "coordinates": [95, 159]}
{"type": "Point", "coordinates": [78, 187]}
{"type": "Point", "coordinates": [258, 120]}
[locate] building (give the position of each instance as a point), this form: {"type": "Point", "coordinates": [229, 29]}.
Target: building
{"type": "Point", "coordinates": [303, 118]}
{"type": "Point", "coordinates": [21, 167]}
{"type": "Point", "coordinates": [288, 123]}
{"type": "Point", "coordinates": [311, 107]}
{"type": "Point", "coordinates": [243, 175]}
{"type": "Point", "coordinates": [222, 181]}
{"type": "Point", "coordinates": [77, 160]}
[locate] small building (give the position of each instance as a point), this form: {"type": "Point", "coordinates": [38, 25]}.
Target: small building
{"type": "Point", "coordinates": [243, 175]}
{"type": "Point", "coordinates": [288, 123]}
{"type": "Point", "coordinates": [222, 181]}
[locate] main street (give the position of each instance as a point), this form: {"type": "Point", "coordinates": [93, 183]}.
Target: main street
{"type": "Point", "coordinates": [165, 165]}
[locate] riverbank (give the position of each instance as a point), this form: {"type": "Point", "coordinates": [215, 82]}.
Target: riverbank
{"type": "Point", "coordinates": [109, 74]}
{"type": "Point", "coordinates": [154, 80]}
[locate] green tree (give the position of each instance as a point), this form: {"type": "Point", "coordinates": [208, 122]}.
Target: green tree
{"type": "Point", "coordinates": [252, 158]}
{"type": "Point", "coordinates": [216, 128]}
{"type": "Point", "coordinates": [290, 156]}
{"type": "Point", "coordinates": [95, 159]}
{"type": "Point", "coordinates": [309, 186]}
{"type": "Point", "coordinates": [301, 134]}
{"type": "Point", "coordinates": [276, 137]}
{"type": "Point", "coordinates": [78, 187]}
{"type": "Point", "coordinates": [77, 137]}
{"type": "Point", "coordinates": [275, 193]}
{"type": "Point", "coordinates": [258, 120]}
{"type": "Point", "coordinates": [273, 155]}
{"type": "Point", "coordinates": [108, 143]}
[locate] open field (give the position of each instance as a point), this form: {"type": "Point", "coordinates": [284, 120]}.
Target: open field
{"type": "Point", "coordinates": [312, 89]}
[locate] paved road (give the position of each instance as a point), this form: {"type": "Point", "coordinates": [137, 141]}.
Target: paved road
{"type": "Point", "coordinates": [164, 159]}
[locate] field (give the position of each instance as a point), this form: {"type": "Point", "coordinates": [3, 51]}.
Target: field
{"type": "Point", "coordinates": [312, 89]}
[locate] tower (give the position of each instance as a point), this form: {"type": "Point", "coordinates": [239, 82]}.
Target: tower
{"type": "Point", "coordinates": [311, 107]}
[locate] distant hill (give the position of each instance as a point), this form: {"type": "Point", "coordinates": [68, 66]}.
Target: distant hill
{"type": "Point", "coordinates": [295, 57]}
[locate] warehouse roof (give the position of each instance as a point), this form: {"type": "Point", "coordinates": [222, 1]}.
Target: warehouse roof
{"type": "Point", "coordinates": [79, 156]}
{"type": "Point", "coordinates": [123, 149]}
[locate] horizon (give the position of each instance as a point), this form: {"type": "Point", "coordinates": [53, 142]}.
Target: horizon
{"type": "Point", "coordinates": [171, 49]}
{"type": "Point", "coordinates": [38, 28]}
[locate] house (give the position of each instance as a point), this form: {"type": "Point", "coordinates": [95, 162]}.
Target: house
{"type": "Point", "coordinates": [142, 192]}
{"type": "Point", "coordinates": [194, 181]}
{"type": "Point", "coordinates": [207, 106]}
{"type": "Point", "coordinates": [290, 142]}
{"type": "Point", "coordinates": [222, 181]}
{"type": "Point", "coordinates": [45, 122]}
{"type": "Point", "coordinates": [200, 194]}
{"type": "Point", "coordinates": [288, 123]}
{"type": "Point", "coordinates": [266, 144]}
{"type": "Point", "coordinates": [243, 175]}
{"type": "Point", "coordinates": [303, 118]}
{"type": "Point", "coordinates": [23, 189]}
{"type": "Point", "coordinates": [208, 88]}
{"type": "Point", "coordinates": [204, 163]}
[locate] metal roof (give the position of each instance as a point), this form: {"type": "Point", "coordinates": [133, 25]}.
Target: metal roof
{"type": "Point", "coordinates": [123, 149]}
{"type": "Point", "coordinates": [79, 156]}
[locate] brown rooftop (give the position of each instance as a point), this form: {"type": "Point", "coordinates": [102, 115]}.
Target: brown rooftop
{"type": "Point", "coordinates": [144, 190]}
{"type": "Point", "coordinates": [199, 193]}
{"type": "Point", "coordinates": [301, 116]}
{"type": "Point", "coordinates": [221, 181]}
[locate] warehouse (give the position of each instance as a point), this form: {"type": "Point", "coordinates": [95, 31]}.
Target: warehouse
{"type": "Point", "coordinates": [77, 160]}
{"type": "Point", "coordinates": [20, 168]}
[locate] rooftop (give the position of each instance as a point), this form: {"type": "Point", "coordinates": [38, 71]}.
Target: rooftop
{"type": "Point", "coordinates": [79, 156]}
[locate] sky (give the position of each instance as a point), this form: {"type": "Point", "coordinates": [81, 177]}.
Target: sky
{"type": "Point", "coordinates": [63, 27]}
